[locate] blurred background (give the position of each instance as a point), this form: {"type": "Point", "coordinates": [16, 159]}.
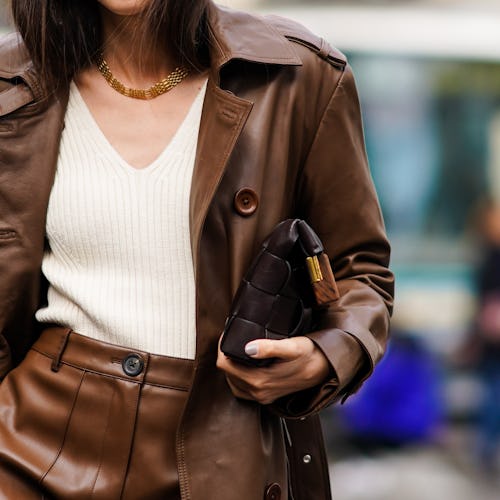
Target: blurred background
{"type": "Point", "coordinates": [427, 424]}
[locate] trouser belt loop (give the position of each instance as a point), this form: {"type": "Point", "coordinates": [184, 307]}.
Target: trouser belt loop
{"type": "Point", "coordinates": [56, 362]}
{"type": "Point", "coordinates": [146, 366]}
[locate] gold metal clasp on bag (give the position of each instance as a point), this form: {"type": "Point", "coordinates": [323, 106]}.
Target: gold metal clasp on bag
{"type": "Point", "coordinates": [314, 269]}
{"type": "Point", "coordinates": [323, 284]}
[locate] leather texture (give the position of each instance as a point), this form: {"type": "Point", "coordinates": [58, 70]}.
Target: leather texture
{"type": "Point", "coordinates": [276, 298]}
{"type": "Point", "coordinates": [86, 419]}
{"type": "Point", "coordinates": [280, 118]}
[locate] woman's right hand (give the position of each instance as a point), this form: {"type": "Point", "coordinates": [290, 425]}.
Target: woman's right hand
{"type": "Point", "coordinates": [299, 365]}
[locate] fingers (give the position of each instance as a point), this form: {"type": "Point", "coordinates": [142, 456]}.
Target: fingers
{"type": "Point", "coordinates": [248, 379]}
{"type": "Point", "coordinates": [294, 370]}
{"type": "Point", "coordinates": [238, 391]}
{"type": "Point", "coordinates": [286, 349]}
{"type": "Point", "coordinates": [250, 383]}
{"type": "Point", "coordinates": [258, 391]}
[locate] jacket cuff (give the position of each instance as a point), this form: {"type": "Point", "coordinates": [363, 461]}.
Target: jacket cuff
{"type": "Point", "coordinates": [350, 365]}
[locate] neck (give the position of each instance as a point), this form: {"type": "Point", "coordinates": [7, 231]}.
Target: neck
{"type": "Point", "coordinates": [133, 57]}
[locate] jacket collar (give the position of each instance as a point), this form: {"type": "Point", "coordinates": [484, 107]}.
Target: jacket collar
{"type": "Point", "coordinates": [16, 63]}
{"type": "Point", "coordinates": [240, 35]}
{"type": "Point", "coordinates": [233, 35]}
{"type": "Point", "coordinates": [14, 60]}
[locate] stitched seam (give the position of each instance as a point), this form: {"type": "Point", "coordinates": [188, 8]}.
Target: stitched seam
{"type": "Point", "coordinates": [181, 465]}
{"type": "Point", "coordinates": [68, 420]}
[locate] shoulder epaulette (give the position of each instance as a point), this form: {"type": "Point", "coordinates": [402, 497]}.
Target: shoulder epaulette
{"type": "Point", "coordinates": [297, 33]}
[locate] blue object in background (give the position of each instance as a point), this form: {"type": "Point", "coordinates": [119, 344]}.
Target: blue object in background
{"type": "Point", "coordinates": [402, 402]}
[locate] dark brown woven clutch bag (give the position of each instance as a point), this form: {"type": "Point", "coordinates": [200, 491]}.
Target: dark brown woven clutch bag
{"type": "Point", "coordinates": [289, 278]}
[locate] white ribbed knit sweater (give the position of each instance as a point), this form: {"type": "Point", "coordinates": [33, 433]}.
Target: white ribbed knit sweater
{"type": "Point", "coordinates": [119, 263]}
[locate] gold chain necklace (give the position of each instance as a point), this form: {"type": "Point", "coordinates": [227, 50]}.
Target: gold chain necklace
{"type": "Point", "coordinates": [159, 88]}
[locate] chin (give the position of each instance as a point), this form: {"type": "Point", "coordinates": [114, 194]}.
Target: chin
{"type": "Point", "coordinates": [124, 7]}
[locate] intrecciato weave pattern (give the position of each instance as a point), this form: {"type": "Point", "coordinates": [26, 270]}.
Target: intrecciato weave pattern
{"type": "Point", "coordinates": [276, 298]}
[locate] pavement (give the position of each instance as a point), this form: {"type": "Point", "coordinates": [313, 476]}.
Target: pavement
{"type": "Point", "coordinates": [416, 474]}
{"type": "Point", "coordinates": [440, 471]}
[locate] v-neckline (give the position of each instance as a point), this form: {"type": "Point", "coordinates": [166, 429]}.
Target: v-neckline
{"type": "Point", "coordinates": [102, 141]}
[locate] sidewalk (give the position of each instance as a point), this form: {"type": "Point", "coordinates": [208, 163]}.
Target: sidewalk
{"type": "Point", "coordinates": [412, 474]}
{"type": "Point", "coordinates": [445, 470]}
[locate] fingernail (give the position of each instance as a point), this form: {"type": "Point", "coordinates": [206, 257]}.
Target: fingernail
{"type": "Point", "coordinates": [251, 349]}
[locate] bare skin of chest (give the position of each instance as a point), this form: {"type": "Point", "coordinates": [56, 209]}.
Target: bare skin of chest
{"type": "Point", "coordinates": [138, 130]}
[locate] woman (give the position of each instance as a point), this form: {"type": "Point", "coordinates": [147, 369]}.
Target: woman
{"type": "Point", "coordinates": [129, 213]}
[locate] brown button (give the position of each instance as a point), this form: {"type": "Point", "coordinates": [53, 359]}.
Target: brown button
{"type": "Point", "coordinates": [246, 202]}
{"type": "Point", "coordinates": [273, 492]}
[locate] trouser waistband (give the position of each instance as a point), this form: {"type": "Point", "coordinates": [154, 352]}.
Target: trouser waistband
{"type": "Point", "coordinates": [66, 347]}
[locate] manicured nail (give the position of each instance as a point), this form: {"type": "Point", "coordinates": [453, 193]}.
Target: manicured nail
{"type": "Point", "coordinates": [251, 349]}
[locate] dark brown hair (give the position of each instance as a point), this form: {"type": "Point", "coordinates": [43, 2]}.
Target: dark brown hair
{"type": "Point", "coordinates": [63, 36]}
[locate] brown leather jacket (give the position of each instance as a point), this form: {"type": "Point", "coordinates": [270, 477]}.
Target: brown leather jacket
{"type": "Point", "coordinates": [280, 137]}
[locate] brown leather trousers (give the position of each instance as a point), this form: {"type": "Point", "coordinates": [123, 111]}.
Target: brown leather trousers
{"type": "Point", "coordinates": [81, 419]}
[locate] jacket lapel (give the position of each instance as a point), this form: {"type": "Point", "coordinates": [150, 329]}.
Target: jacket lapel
{"type": "Point", "coordinates": [223, 118]}
{"type": "Point", "coordinates": [231, 37]}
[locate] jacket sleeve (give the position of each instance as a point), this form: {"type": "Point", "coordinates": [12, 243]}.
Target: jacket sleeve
{"type": "Point", "coordinates": [337, 197]}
